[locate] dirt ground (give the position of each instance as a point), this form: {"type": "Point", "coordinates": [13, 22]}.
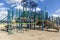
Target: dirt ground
{"type": "Point", "coordinates": [30, 35]}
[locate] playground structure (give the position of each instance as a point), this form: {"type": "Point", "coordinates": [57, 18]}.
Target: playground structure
{"type": "Point", "coordinates": [18, 21]}
{"type": "Point", "coordinates": [51, 24]}
{"type": "Point", "coordinates": [17, 18]}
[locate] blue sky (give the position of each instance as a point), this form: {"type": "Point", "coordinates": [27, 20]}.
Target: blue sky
{"type": "Point", "coordinates": [51, 5]}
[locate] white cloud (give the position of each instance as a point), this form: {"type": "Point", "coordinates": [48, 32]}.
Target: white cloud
{"type": "Point", "coordinates": [41, 0]}
{"type": "Point", "coordinates": [1, 4]}
{"type": "Point", "coordinates": [57, 11]}
{"type": "Point", "coordinates": [3, 8]}
{"type": "Point", "coordinates": [54, 15]}
{"type": "Point", "coordinates": [12, 1]}
{"type": "Point", "coordinates": [38, 9]}
{"type": "Point", "coordinates": [3, 14]}
{"type": "Point", "coordinates": [21, 7]}
{"type": "Point", "coordinates": [12, 5]}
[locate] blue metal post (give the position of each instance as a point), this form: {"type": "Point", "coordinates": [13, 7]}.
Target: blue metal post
{"type": "Point", "coordinates": [46, 15]}
{"type": "Point", "coordinates": [42, 26]}
{"type": "Point", "coordinates": [28, 25]}
{"type": "Point", "coordinates": [9, 29]}
{"type": "Point", "coordinates": [42, 21]}
{"type": "Point", "coordinates": [19, 20]}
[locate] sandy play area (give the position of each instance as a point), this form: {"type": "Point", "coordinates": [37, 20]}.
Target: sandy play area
{"type": "Point", "coordinates": [30, 35]}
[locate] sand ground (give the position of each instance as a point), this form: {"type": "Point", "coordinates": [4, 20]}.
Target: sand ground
{"type": "Point", "coordinates": [30, 35]}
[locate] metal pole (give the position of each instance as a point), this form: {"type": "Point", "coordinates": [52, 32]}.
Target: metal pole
{"type": "Point", "coordinates": [34, 17]}
{"type": "Point", "coordinates": [19, 20]}
{"type": "Point", "coordinates": [42, 21]}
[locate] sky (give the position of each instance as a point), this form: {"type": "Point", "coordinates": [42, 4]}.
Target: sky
{"type": "Point", "coordinates": [51, 6]}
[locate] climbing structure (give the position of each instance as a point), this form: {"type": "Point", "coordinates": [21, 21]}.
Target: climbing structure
{"type": "Point", "coordinates": [16, 18]}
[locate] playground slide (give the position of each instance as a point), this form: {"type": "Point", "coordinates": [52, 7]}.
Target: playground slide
{"type": "Point", "coordinates": [52, 24]}
{"type": "Point", "coordinates": [3, 19]}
